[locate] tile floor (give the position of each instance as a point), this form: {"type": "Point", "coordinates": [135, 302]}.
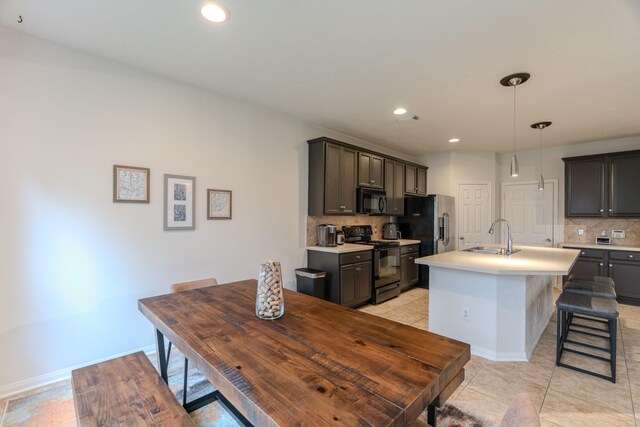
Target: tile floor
{"type": "Point", "coordinates": [563, 397]}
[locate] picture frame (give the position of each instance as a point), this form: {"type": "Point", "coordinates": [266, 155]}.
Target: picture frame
{"type": "Point", "coordinates": [219, 204]}
{"type": "Point", "coordinates": [179, 202]}
{"type": "Point", "coordinates": [130, 184]}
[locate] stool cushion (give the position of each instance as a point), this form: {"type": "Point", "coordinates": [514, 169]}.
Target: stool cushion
{"type": "Point", "coordinates": [593, 289]}
{"type": "Point", "coordinates": [592, 279]}
{"type": "Point", "coordinates": [590, 306]}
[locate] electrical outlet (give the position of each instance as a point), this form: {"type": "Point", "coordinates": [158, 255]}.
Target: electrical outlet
{"type": "Point", "coordinates": [580, 231]}
{"type": "Point", "coordinates": [618, 234]}
{"type": "Point", "coordinates": [466, 313]}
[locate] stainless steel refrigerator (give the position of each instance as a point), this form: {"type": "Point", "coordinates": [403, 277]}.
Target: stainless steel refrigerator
{"type": "Point", "coordinates": [431, 220]}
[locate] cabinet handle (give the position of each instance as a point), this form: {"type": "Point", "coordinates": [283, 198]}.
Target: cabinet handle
{"type": "Point", "coordinates": [611, 210]}
{"type": "Point", "coordinates": [610, 265]}
{"type": "Point", "coordinates": [584, 253]}
{"type": "Point", "coordinates": [601, 210]}
{"type": "Point", "coordinates": [630, 256]}
{"type": "Point", "coordinates": [358, 269]}
{"type": "Point", "coordinates": [601, 265]}
{"type": "Point", "coordinates": [395, 209]}
{"type": "Point", "coordinates": [343, 207]}
{"type": "Point", "coordinates": [373, 181]}
{"type": "Point", "coordinates": [357, 256]}
{"type": "Point", "coordinates": [410, 258]}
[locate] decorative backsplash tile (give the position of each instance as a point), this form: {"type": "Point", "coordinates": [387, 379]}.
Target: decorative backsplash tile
{"type": "Point", "coordinates": [340, 220]}
{"type": "Point", "coordinates": [593, 226]}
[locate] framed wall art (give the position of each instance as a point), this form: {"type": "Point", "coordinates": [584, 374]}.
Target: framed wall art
{"type": "Point", "coordinates": [218, 204]}
{"type": "Point", "coordinates": [130, 184]}
{"type": "Point", "coordinates": [179, 202]}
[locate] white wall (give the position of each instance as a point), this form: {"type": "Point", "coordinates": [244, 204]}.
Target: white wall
{"type": "Point", "coordinates": [73, 263]}
{"type": "Point", "coordinates": [448, 169]}
{"type": "Point", "coordinates": [553, 166]}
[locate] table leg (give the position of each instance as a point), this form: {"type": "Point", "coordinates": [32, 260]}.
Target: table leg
{"type": "Point", "coordinates": [161, 355]}
{"type": "Point", "coordinates": [431, 415]}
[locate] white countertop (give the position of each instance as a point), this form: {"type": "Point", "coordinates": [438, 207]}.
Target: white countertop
{"type": "Point", "coordinates": [352, 247]}
{"type": "Point", "coordinates": [604, 247]}
{"type": "Point", "coordinates": [341, 249]}
{"type": "Point", "coordinates": [405, 242]}
{"type": "Point", "coordinates": [530, 261]}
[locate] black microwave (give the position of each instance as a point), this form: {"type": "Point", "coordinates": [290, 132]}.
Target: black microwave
{"type": "Point", "coordinates": [372, 202]}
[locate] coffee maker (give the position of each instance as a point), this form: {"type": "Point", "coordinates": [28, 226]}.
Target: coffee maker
{"type": "Point", "coordinates": [327, 235]}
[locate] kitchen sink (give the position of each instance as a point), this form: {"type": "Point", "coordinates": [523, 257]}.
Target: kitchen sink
{"type": "Point", "coordinates": [489, 250]}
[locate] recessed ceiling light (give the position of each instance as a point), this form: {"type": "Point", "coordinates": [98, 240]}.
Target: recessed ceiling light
{"type": "Point", "coordinates": [214, 12]}
{"type": "Point", "coordinates": [399, 111]}
{"type": "Point", "coordinates": [454, 140]}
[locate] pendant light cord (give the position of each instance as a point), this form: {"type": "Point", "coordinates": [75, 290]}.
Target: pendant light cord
{"type": "Point", "coordinates": [514, 120]}
{"type": "Point", "coordinates": [541, 151]}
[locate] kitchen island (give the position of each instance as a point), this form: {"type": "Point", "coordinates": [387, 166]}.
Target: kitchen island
{"type": "Point", "coordinates": [500, 304]}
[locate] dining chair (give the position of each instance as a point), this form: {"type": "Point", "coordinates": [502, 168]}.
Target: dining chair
{"type": "Point", "coordinates": [182, 287]}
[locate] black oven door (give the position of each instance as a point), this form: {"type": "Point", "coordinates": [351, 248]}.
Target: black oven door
{"type": "Point", "coordinates": [386, 266]}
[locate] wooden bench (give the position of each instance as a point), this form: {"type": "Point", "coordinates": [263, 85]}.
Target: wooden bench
{"type": "Point", "coordinates": [125, 391]}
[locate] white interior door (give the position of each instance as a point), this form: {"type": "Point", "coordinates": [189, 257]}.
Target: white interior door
{"type": "Point", "coordinates": [474, 215]}
{"type": "Point", "coordinates": [530, 211]}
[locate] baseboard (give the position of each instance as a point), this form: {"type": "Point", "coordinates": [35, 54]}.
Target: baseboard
{"type": "Point", "coordinates": [485, 353]}
{"type": "Point", "coordinates": [52, 377]}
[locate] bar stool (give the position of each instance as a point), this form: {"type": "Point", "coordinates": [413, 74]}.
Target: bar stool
{"type": "Point", "coordinates": [572, 306]}
{"type": "Point", "coordinates": [592, 279]}
{"type": "Point", "coordinates": [593, 289]}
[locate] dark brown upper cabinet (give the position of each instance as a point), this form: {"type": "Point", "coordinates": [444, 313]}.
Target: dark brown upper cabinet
{"type": "Point", "coordinates": [604, 185]}
{"type": "Point", "coordinates": [332, 178]}
{"type": "Point", "coordinates": [415, 180]}
{"type": "Point", "coordinates": [624, 185]}
{"type": "Point", "coordinates": [394, 186]}
{"type": "Point", "coordinates": [370, 170]}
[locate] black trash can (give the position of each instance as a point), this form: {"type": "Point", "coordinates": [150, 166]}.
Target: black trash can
{"type": "Point", "coordinates": [311, 282]}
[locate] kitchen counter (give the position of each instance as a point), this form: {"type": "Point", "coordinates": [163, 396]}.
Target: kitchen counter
{"type": "Point", "coordinates": [352, 247]}
{"type": "Point", "coordinates": [603, 247]}
{"type": "Point", "coordinates": [340, 249]}
{"type": "Point", "coordinates": [500, 304]}
{"type": "Point", "coordinates": [405, 242]}
{"type": "Point", "coordinates": [531, 260]}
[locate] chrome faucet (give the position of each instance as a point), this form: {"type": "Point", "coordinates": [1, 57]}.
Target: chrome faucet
{"type": "Point", "coordinates": [510, 241]}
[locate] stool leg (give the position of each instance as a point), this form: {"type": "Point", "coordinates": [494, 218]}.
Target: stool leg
{"type": "Point", "coordinates": [558, 335]}
{"type": "Point", "coordinates": [186, 376]}
{"type": "Point", "coordinates": [613, 339]}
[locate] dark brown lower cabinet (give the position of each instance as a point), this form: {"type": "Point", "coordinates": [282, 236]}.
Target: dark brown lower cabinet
{"type": "Point", "coordinates": [408, 267]}
{"type": "Point", "coordinates": [355, 283]}
{"type": "Point", "coordinates": [349, 279]}
{"type": "Point", "coordinates": [622, 266]}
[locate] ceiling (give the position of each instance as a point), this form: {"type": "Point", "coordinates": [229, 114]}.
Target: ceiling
{"type": "Point", "coordinates": [347, 64]}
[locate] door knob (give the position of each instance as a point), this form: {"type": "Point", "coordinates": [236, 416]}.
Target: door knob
{"type": "Point", "coordinates": [461, 237]}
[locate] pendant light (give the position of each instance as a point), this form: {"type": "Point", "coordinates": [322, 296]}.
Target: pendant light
{"type": "Point", "coordinates": [540, 126]}
{"type": "Point", "coordinates": [514, 80]}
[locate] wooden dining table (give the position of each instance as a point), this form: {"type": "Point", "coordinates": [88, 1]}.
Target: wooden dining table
{"type": "Point", "coordinates": [319, 364]}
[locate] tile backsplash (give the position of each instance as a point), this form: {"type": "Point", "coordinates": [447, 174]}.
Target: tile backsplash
{"type": "Point", "coordinates": [593, 226]}
{"type": "Point", "coordinates": [340, 220]}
